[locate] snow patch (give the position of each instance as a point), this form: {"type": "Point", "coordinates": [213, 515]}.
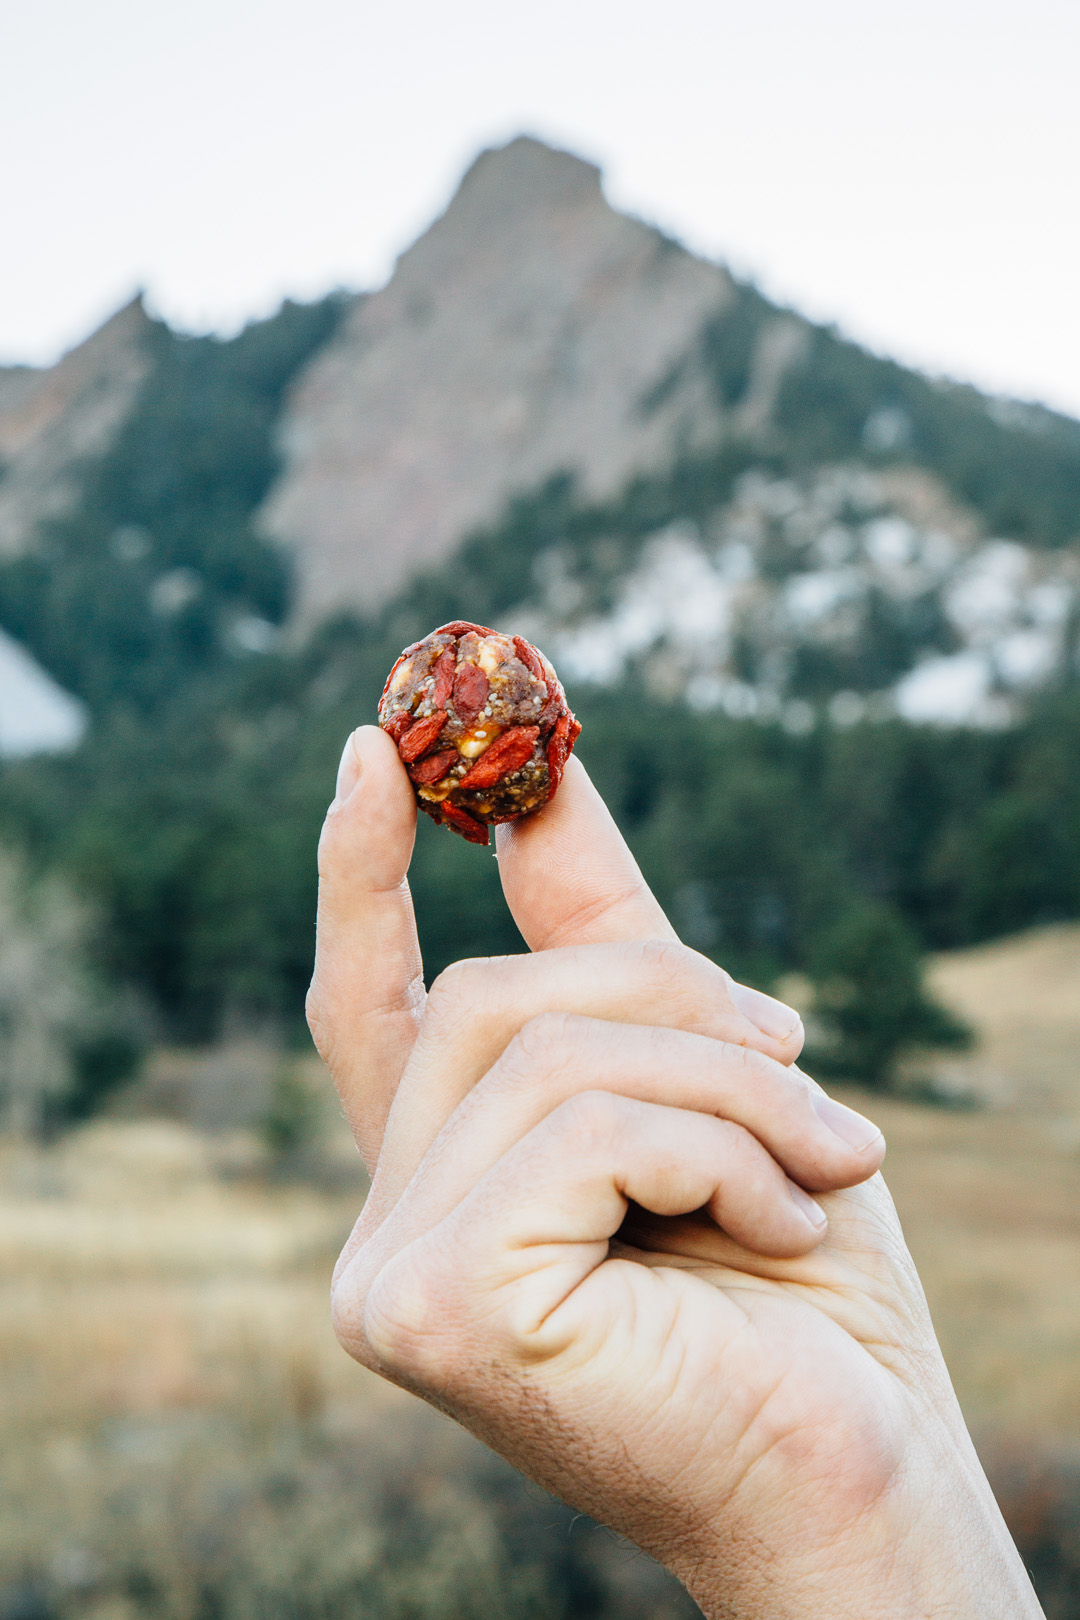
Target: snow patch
{"type": "Point", "coordinates": [36, 715]}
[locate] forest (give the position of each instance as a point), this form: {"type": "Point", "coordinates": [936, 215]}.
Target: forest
{"type": "Point", "coordinates": [187, 821]}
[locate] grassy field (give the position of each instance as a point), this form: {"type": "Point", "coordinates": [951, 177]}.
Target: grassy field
{"type": "Point", "coordinates": [183, 1438]}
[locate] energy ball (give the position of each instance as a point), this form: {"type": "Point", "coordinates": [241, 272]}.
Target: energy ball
{"type": "Point", "coordinates": [481, 721]}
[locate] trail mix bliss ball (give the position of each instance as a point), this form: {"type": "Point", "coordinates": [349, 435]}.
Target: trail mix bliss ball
{"type": "Point", "coordinates": [481, 722]}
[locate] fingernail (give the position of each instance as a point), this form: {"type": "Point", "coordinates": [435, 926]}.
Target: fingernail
{"type": "Point", "coordinates": [850, 1127]}
{"type": "Point", "coordinates": [772, 1017]}
{"type": "Point", "coordinates": [807, 1207]}
{"type": "Point", "coordinates": [348, 771]}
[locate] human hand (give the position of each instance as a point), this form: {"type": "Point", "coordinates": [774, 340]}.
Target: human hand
{"type": "Point", "coordinates": [589, 1236]}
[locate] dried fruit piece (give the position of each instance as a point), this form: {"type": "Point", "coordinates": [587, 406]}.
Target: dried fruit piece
{"type": "Point", "coordinates": [461, 627]}
{"type": "Point", "coordinates": [507, 753]}
{"type": "Point", "coordinates": [432, 769]}
{"type": "Point", "coordinates": [420, 736]}
{"type": "Point", "coordinates": [471, 690]}
{"type": "Point", "coordinates": [529, 657]}
{"type": "Point", "coordinates": [468, 826]}
{"type": "Point", "coordinates": [443, 685]}
{"type": "Point", "coordinates": [481, 722]}
{"type": "Point", "coordinates": [550, 713]}
{"type": "Point", "coordinates": [559, 745]}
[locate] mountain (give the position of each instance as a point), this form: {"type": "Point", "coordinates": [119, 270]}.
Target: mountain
{"type": "Point", "coordinates": [757, 551]}
{"type": "Point", "coordinates": [133, 570]}
{"type": "Point", "coordinates": [521, 336]}
{"type": "Point", "coordinates": [767, 516]}
{"type": "Point", "coordinates": [531, 331]}
{"type": "Point", "coordinates": [555, 416]}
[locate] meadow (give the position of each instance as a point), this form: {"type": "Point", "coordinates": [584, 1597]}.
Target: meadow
{"type": "Point", "coordinates": [183, 1438]}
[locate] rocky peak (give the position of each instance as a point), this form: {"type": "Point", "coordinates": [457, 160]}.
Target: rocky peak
{"type": "Point", "coordinates": [519, 338]}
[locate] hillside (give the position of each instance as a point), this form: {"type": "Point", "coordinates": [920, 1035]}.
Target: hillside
{"type": "Point", "coordinates": [55, 419]}
{"type": "Point", "coordinates": [1023, 996]}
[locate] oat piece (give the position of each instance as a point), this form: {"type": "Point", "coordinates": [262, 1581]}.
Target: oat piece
{"type": "Point", "coordinates": [481, 721]}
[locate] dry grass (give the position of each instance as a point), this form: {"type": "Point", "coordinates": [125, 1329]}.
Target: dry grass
{"type": "Point", "coordinates": [1023, 997]}
{"type": "Point", "coordinates": [991, 1208]}
{"type": "Point", "coordinates": [990, 1200]}
{"type": "Point", "coordinates": [182, 1436]}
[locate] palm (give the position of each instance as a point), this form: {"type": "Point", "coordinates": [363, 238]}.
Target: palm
{"type": "Point", "coordinates": [713, 1360]}
{"type": "Point", "coordinates": [860, 1279]}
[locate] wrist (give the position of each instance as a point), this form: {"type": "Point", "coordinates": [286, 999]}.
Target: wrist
{"type": "Point", "coordinates": [933, 1546]}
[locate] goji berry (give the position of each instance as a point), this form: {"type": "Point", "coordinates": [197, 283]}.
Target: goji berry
{"type": "Point", "coordinates": [507, 753]}
{"type": "Point", "coordinates": [566, 733]}
{"type": "Point", "coordinates": [462, 627]}
{"type": "Point", "coordinates": [470, 691]}
{"type": "Point", "coordinates": [466, 825]}
{"type": "Point", "coordinates": [390, 677]}
{"type": "Point", "coordinates": [434, 767]}
{"type": "Point", "coordinates": [529, 658]}
{"type": "Point", "coordinates": [397, 727]}
{"type": "Point", "coordinates": [443, 671]}
{"type": "Point", "coordinates": [420, 736]}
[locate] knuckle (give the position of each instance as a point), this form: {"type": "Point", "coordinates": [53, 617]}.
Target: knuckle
{"type": "Point", "coordinates": [452, 994]}
{"type": "Point", "coordinates": [726, 983]}
{"type": "Point", "coordinates": [461, 986]}
{"type": "Point", "coordinates": [453, 981]}
{"type": "Point", "coordinates": [542, 1040]}
{"type": "Point", "coordinates": [757, 1067]}
{"type": "Point", "coordinates": [668, 959]}
{"type": "Point", "coordinates": [411, 1319]}
{"type": "Point", "coordinates": [593, 1120]}
{"type": "Point", "coordinates": [347, 1321]}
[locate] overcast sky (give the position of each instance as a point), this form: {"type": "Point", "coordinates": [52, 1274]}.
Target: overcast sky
{"type": "Point", "coordinates": [908, 170]}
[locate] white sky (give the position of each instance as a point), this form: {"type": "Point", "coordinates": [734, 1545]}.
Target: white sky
{"type": "Point", "coordinates": [910, 170]}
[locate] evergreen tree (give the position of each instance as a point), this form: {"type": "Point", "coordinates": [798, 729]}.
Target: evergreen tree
{"type": "Point", "coordinates": [871, 1004]}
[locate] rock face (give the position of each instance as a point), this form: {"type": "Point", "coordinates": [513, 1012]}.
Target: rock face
{"type": "Point", "coordinates": [531, 331]}
{"type": "Point", "coordinates": [53, 421]}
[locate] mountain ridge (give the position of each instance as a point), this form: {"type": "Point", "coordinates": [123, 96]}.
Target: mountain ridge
{"type": "Point", "coordinates": [55, 419]}
{"type": "Point", "coordinates": [534, 336]}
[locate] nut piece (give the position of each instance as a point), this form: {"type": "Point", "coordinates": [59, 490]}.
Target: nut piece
{"type": "Point", "coordinates": [481, 721]}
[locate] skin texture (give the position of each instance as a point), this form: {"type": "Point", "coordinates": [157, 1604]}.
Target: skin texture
{"type": "Point", "coordinates": [617, 1233]}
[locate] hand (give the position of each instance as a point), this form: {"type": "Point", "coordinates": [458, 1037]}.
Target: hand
{"type": "Point", "coordinates": [590, 1239]}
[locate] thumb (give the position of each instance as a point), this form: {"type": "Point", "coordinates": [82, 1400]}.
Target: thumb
{"type": "Point", "coordinates": [569, 877]}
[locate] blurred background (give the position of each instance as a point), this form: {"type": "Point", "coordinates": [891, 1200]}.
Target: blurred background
{"type": "Point", "coordinates": [733, 355]}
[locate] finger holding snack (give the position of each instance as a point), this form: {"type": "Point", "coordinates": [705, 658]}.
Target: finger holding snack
{"type": "Point", "coordinates": [617, 1233]}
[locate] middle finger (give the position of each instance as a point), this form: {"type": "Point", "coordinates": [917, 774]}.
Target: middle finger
{"type": "Point", "coordinates": [818, 1143]}
{"type": "Point", "coordinates": [477, 1007]}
